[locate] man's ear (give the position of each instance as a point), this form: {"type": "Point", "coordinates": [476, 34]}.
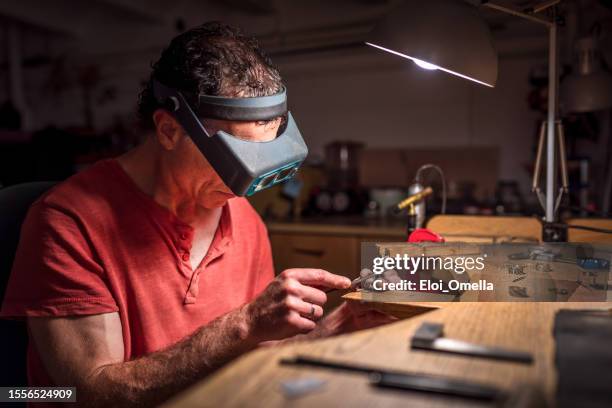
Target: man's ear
{"type": "Point", "coordinates": [167, 129]}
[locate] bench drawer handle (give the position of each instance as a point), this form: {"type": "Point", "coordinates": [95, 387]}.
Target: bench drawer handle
{"type": "Point", "coordinates": [311, 252]}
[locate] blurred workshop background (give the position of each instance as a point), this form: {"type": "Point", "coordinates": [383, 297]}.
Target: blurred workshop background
{"type": "Point", "coordinates": [72, 71]}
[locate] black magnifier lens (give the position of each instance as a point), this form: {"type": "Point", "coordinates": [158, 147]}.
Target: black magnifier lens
{"type": "Point", "coordinates": [293, 171]}
{"type": "Point", "coordinates": [266, 181]}
{"type": "Point", "coordinates": [283, 174]}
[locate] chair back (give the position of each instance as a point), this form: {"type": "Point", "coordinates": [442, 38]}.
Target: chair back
{"type": "Point", "coordinates": [14, 204]}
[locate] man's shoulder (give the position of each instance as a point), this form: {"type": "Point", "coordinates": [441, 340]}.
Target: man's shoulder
{"type": "Point", "coordinates": [81, 192]}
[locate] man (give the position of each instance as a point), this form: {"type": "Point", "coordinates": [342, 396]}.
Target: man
{"type": "Point", "coordinates": [143, 274]}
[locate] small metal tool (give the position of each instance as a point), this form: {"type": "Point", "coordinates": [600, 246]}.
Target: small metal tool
{"type": "Point", "coordinates": [430, 337]}
{"type": "Point", "coordinates": [405, 380]}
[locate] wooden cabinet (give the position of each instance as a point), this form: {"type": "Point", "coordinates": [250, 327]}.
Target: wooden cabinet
{"type": "Point", "coordinates": [339, 255]}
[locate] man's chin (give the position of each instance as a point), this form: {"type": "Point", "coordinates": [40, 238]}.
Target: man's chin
{"type": "Point", "coordinates": [216, 199]}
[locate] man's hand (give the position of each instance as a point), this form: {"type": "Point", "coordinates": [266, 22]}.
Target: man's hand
{"type": "Point", "coordinates": [350, 317]}
{"type": "Point", "coordinates": [346, 318]}
{"type": "Point", "coordinates": [291, 303]}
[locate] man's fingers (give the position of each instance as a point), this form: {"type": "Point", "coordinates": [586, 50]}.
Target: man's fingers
{"type": "Point", "coordinates": [299, 322]}
{"type": "Point", "coordinates": [308, 310]}
{"type": "Point", "coordinates": [312, 295]}
{"type": "Point", "coordinates": [319, 277]}
{"type": "Point", "coordinates": [294, 288]}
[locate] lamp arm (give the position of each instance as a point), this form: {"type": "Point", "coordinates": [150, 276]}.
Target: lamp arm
{"type": "Point", "coordinates": [518, 13]}
{"type": "Point", "coordinates": [536, 8]}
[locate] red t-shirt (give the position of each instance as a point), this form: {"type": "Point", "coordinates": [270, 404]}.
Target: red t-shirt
{"type": "Point", "coordinates": [97, 244]}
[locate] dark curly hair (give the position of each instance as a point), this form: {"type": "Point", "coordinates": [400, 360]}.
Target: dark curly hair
{"type": "Point", "coordinates": [211, 59]}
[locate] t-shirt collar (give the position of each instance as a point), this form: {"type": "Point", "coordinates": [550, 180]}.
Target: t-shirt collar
{"type": "Point", "coordinates": [225, 227]}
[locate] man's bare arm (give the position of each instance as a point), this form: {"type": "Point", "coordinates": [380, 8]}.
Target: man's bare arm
{"type": "Point", "coordinates": [87, 352]}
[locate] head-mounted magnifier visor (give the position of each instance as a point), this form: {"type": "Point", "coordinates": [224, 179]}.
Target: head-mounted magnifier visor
{"type": "Point", "coordinates": [246, 167]}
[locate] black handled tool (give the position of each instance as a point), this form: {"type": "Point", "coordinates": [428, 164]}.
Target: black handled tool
{"type": "Point", "coordinates": [404, 380]}
{"type": "Point", "coordinates": [429, 337]}
{"type": "Point", "coordinates": [440, 385]}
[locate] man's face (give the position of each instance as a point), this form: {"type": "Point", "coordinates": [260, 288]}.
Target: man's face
{"type": "Point", "coordinates": [191, 172]}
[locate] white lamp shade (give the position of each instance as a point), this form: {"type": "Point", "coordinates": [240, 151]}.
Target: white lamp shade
{"type": "Point", "coordinates": [449, 35]}
{"type": "Point", "coordinates": [589, 87]}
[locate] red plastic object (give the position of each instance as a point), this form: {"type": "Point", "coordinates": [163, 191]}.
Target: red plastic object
{"type": "Point", "coordinates": [424, 235]}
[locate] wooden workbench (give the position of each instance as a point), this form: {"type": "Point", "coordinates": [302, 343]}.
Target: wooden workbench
{"type": "Point", "coordinates": [254, 379]}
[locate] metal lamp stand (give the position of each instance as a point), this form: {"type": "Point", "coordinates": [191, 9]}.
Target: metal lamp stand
{"type": "Point", "coordinates": [551, 231]}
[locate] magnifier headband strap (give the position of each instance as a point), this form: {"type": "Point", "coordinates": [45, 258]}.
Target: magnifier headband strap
{"type": "Point", "coordinates": [220, 107]}
{"type": "Point", "coordinates": [246, 109]}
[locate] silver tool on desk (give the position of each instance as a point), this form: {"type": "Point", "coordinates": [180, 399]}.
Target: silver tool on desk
{"type": "Point", "coordinates": [430, 337]}
{"type": "Point", "coordinates": [299, 387]}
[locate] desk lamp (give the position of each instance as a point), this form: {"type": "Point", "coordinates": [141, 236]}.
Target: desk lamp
{"type": "Point", "coordinates": [589, 87]}
{"type": "Point", "coordinates": [450, 36]}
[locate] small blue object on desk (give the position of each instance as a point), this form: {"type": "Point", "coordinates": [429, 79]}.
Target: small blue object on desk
{"type": "Point", "coordinates": [301, 386]}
